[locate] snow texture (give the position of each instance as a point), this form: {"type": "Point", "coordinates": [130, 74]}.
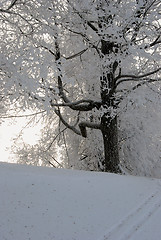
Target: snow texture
{"type": "Point", "coordinates": [41, 203]}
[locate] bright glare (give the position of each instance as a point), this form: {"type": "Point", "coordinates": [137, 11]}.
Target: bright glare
{"type": "Point", "coordinates": [8, 131]}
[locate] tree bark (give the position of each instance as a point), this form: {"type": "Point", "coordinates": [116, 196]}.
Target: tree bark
{"type": "Point", "coordinates": [110, 139]}
{"type": "Point", "coordinates": [108, 120]}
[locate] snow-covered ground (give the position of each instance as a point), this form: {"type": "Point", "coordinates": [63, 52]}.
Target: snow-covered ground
{"type": "Point", "coordinates": [44, 204]}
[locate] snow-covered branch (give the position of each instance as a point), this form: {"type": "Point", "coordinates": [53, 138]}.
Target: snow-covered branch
{"type": "Point", "coordinates": [82, 18]}
{"type": "Point", "coordinates": [76, 105]}
{"type": "Point", "coordinates": [31, 29]}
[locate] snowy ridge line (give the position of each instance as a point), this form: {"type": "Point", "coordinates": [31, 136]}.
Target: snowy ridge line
{"type": "Point", "coordinates": [136, 219]}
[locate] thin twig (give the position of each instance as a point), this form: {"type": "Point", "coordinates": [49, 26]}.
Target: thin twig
{"type": "Point", "coordinates": [25, 115]}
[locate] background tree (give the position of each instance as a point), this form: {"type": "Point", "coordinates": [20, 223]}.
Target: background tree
{"type": "Point", "coordinates": [80, 61]}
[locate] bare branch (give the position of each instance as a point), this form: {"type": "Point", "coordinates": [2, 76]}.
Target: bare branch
{"type": "Point", "coordinates": [145, 82]}
{"type": "Point", "coordinates": [156, 41]}
{"type": "Point", "coordinates": [77, 54]}
{"type": "Point", "coordinates": [55, 161]}
{"type": "Point", "coordinates": [12, 4]}
{"type": "Point", "coordinates": [66, 148]}
{"type": "Point", "coordinates": [49, 50]}
{"type": "Point", "coordinates": [21, 116]}
{"type": "Point", "coordinates": [51, 164]}
{"type": "Point", "coordinates": [84, 125]}
{"type": "Point", "coordinates": [51, 143]}
{"type": "Point", "coordinates": [70, 104]}
{"type": "Point", "coordinates": [5, 11]}
{"type": "Point", "coordinates": [65, 123]}
{"type": "Point", "coordinates": [134, 77]}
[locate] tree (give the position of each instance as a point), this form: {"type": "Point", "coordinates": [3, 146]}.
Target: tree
{"type": "Point", "coordinates": [80, 59]}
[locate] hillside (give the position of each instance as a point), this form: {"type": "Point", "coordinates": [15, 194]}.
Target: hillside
{"type": "Point", "coordinates": [39, 203]}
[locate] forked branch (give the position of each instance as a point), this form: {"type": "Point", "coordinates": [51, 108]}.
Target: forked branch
{"type": "Point", "coordinates": [134, 77]}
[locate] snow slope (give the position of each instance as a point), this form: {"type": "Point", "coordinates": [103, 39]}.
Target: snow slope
{"type": "Point", "coordinates": [44, 204]}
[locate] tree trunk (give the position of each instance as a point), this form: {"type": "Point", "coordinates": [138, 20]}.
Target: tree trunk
{"type": "Point", "coordinates": [109, 122]}
{"type": "Point", "coordinates": [110, 138]}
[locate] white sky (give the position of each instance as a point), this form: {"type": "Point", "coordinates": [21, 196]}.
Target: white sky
{"type": "Point", "coordinates": [8, 131]}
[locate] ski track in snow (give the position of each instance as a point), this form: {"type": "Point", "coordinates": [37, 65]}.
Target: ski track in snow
{"type": "Point", "coordinates": [135, 220]}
